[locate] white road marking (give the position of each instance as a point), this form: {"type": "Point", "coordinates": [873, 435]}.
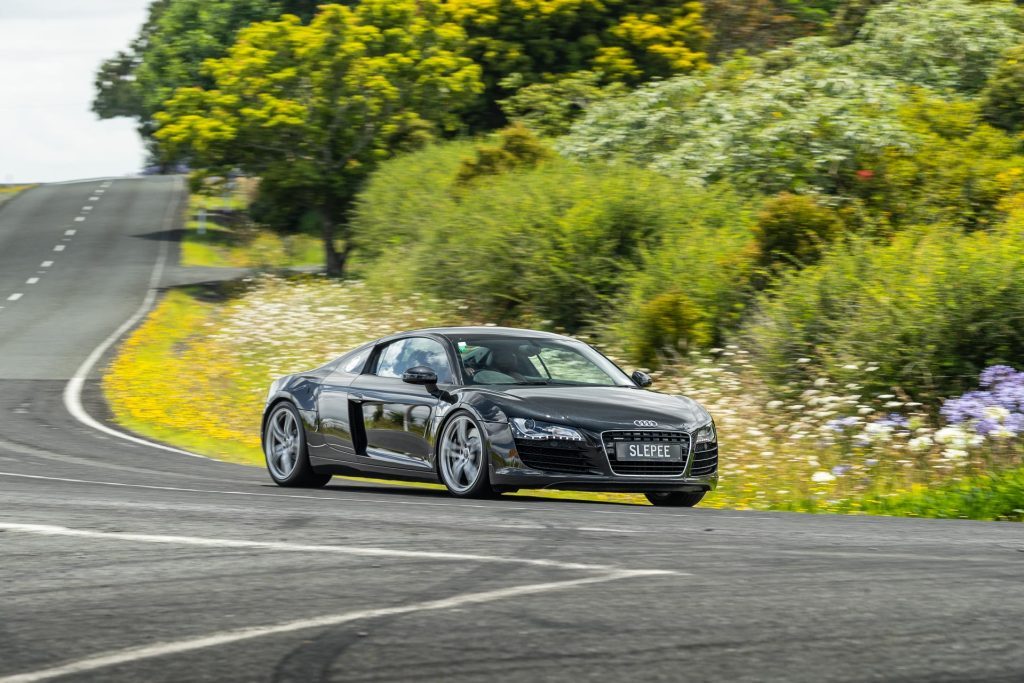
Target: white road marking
{"type": "Point", "coordinates": [86, 208]}
{"type": "Point", "coordinates": [604, 530]}
{"type": "Point", "coordinates": [70, 232]}
{"type": "Point", "coordinates": [334, 497]}
{"type": "Point", "coordinates": [125, 656]}
{"type": "Point", "coordinates": [79, 219]}
{"type": "Point", "coordinates": [15, 296]}
{"type": "Point", "coordinates": [31, 281]}
{"type": "Point", "coordinates": [46, 264]}
{"type": "Point", "coordinates": [93, 198]}
{"type": "Point", "coordinates": [359, 551]}
{"type": "Point", "coordinates": [73, 389]}
{"type": "Point", "coordinates": [100, 191]}
{"type": "Point", "coordinates": [59, 247]}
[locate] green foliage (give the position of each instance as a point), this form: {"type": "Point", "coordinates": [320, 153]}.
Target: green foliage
{"type": "Point", "coordinates": [816, 117]}
{"type": "Point", "coordinates": [623, 41]}
{"type": "Point", "coordinates": [668, 324]}
{"type": "Point", "coordinates": [517, 148]}
{"type": "Point", "coordinates": [941, 44]}
{"type": "Point", "coordinates": [998, 496]}
{"type": "Point", "coordinates": [551, 107]}
{"type": "Point", "coordinates": [759, 25]}
{"type": "Point", "coordinates": [559, 244]}
{"type": "Point", "coordinates": [177, 37]}
{"type": "Point", "coordinates": [795, 227]}
{"type": "Point", "coordinates": [312, 109]}
{"type": "Point", "coordinates": [956, 173]}
{"type": "Point", "coordinates": [1002, 99]}
{"type": "Point", "coordinates": [929, 310]}
{"type": "Point", "coordinates": [799, 128]}
{"type": "Point", "coordinates": [697, 272]}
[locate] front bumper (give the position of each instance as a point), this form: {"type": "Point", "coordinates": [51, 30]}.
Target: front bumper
{"type": "Point", "coordinates": [591, 469]}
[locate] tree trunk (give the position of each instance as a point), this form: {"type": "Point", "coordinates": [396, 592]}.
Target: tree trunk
{"type": "Point", "coordinates": [333, 261]}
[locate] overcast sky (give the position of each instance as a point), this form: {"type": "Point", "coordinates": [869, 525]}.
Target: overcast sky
{"type": "Point", "coordinates": [49, 52]}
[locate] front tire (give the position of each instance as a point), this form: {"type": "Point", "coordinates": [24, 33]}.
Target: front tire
{"type": "Point", "coordinates": [676, 499]}
{"type": "Point", "coordinates": [462, 458]}
{"type": "Point", "coordinates": [284, 446]}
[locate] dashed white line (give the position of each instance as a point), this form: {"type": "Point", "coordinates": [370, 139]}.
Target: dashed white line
{"type": "Point", "coordinates": [93, 198]}
{"type": "Point", "coordinates": [46, 264]}
{"type": "Point", "coordinates": [31, 281]}
{"type": "Point", "coordinates": [70, 232]}
{"type": "Point", "coordinates": [86, 208]}
{"type": "Point", "coordinates": [59, 247]}
{"type": "Point", "coordinates": [15, 296]}
{"type": "Point", "coordinates": [283, 546]}
{"type": "Point", "coordinates": [79, 219]}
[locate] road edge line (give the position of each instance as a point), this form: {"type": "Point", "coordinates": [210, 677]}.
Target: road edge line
{"type": "Point", "coordinates": [73, 390]}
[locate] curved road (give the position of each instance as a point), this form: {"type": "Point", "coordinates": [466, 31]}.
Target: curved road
{"type": "Point", "coordinates": [122, 562]}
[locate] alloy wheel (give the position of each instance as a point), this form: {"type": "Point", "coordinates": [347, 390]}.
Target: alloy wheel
{"type": "Point", "coordinates": [462, 454]}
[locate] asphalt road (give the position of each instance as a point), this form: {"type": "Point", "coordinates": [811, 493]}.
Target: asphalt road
{"type": "Point", "coordinates": [122, 562]}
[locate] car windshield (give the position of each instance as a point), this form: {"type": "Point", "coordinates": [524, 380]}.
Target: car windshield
{"type": "Point", "coordinates": [528, 361]}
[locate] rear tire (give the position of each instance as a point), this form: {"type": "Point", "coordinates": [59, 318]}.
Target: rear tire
{"type": "Point", "coordinates": [676, 499]}
{"type": "Point", "coordinates": [284, 447]}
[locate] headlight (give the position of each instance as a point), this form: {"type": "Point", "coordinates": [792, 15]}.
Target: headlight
{"type": "Point", "coordinates": [532, 429]}
{"type": "Point", "coordinates": [705, 434]}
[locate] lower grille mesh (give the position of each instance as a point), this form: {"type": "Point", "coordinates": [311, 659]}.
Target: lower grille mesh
{"type": "Point", "coordinates": [554, 456]}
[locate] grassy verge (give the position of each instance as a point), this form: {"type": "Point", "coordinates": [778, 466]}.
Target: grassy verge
{"type": "Point", "coordinates": [7, 192]}
{"type": "Point", "coordinates": [196, 372]}
{"type": "Point", "coordinates": [218, 233]}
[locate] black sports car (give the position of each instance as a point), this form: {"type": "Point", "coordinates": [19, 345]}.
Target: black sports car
{"type": "Point", "coordinates": [487, 410]}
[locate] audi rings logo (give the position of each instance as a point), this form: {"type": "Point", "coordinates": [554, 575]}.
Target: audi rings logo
{"type": "Point", "coordinates": [645, 423]}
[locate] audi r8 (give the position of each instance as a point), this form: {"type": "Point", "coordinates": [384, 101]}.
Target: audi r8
{"type": "Point", "coordinates": [488, 410]}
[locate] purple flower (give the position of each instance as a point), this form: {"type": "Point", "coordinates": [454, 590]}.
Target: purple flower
{"type": "Point", "coordinates": [1004, 389]}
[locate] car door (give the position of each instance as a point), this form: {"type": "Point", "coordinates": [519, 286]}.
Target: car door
{"type": "Point", "coordinates": [335, 409]}
{"type": "Point", "coordinates": [395, 415]}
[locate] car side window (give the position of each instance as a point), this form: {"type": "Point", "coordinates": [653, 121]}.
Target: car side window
{"type": "Point", "coordinates": [399, 356]}
{"type": "Point", "coordinates": [354, 364]}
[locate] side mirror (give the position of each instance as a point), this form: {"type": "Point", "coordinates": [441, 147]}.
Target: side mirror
{"type": "Point", "coordinates": [420, 374]}
{"type": "Point", "coordinates": [642, 379]}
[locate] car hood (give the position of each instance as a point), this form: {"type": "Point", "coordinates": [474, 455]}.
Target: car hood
{"type": "Point", "coordinates": [598, 408]}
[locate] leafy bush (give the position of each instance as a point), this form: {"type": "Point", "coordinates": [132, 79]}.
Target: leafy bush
{"type": "Point", "coordinates": [1002, 100]}
{"type": "Point", "coordinates": [670, 323]}
{"type": "Point", "coordinates": [795, 227]}
{"type": "Point", "coordinates": [926, 312]}
{"type": "Point", "coordinates": [559, 244]}
{"type": "Point", "coordinates": [517, 148]}
{"type": "Point", "coordinates": [808, 116]}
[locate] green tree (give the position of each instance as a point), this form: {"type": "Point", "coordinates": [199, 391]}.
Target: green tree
{"type": "Point", "coordinates": [627, 41]}
{"type": "Point", "coordinates": [177, 37]}
{"type": "Point", "coordinates": [312, 109]}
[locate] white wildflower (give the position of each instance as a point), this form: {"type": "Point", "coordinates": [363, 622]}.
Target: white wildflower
{"type": "Point", "coordinates": [920, 443]}
{"type": "Point", "coordinates": [822, 477]}
{"type": "Point", "coordinates": [996, 413]}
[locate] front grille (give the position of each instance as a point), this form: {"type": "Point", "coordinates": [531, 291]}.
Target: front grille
{"type": "Point", "coordinates": [705, 459]}
{"type": "Point", "coordinates": [646, 468]}
{"type": "Point", "coordinates": [555, 456]}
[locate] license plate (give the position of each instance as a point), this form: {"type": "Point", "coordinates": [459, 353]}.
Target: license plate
{"type": "Point", "coordinates": [658, 452]}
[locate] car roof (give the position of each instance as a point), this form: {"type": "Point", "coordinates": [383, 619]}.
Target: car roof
{"type": "Point", "coordinates": [481, 331]}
